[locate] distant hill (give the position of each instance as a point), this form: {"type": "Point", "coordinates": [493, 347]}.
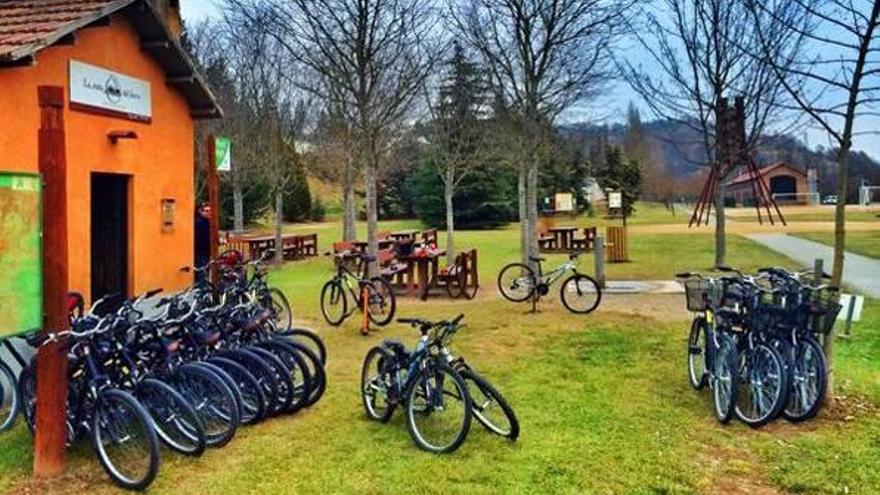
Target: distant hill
{"type": "Point", "coordinates": [681, 150]}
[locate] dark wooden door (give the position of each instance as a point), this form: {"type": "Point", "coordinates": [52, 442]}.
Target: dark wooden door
{"type": "Point", "coordinates": [109, 235]}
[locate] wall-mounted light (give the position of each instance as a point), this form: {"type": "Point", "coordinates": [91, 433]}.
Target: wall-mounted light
{"type": "Point", "coordinates": [115, 136]}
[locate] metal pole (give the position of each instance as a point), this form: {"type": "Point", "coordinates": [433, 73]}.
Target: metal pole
{"type": "Point", "coordinates": [818, 269]}
{"type": "Point", "coordinates": [51, 434]}
{"type": "Point", "coordinates": [851, 307]}
{"type": "Point", "coordinates": [599, 258]}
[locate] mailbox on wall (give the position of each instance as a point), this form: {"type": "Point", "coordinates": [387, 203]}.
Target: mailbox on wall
{"type": "Point", "coordinates": [168, 206]}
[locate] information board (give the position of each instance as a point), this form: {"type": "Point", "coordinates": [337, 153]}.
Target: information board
{"type": "Point", "coordinates": [21, 285]}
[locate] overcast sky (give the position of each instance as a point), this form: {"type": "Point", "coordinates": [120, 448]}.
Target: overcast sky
{"type": "Point", "coordinates": [617, 98]}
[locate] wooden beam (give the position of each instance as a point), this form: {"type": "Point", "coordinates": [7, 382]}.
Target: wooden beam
{"type": "Point", "coordinates": [213, 200]}
{"type": "Point", "coordinates": [51, 433]}
{"type": "Point", "coordinates": [185, 79]}
{"type": "Point", "coordinates": [25, 61]}
{"type": "Point", "coordinates": [152, 44]}
{"type": "Point", "coordinates": [67, 39]}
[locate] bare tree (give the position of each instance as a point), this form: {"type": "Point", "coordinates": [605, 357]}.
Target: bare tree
{"type": "Point", "coordinates": [699, 53]}
{"type": "Point", "coordinates": [837, 81]}
{"type": "Point", "coordinates": [276, 113]}
{"type": "Point", "coordinates": [370, 58]}
{"type": "Point", "coordinates": [335, 145]}
{"type": "Point", "coordinates": [544, 57]}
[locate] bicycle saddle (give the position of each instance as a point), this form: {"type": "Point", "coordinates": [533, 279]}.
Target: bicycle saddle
{"type": "Point", "coordinates": [368, 257]}
{"type": "Point", "coordinates": [257, 321]}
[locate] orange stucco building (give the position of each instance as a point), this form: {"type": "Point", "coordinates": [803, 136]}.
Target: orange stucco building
{"type": "Point", "coordinates": [130, 180]}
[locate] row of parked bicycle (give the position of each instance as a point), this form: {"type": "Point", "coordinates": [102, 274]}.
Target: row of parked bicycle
{"type": "Point", "coordinates": [186, 371]}
{"type": "Point", "coordinates": [754, 341]}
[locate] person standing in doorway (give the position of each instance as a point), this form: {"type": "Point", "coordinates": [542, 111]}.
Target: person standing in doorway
{"type": "Point", "coordinates": [202, 234]}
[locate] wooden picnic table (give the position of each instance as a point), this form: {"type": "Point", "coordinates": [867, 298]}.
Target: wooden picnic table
{"type": "Point", "coordinates": [563, 237]}
{"type": "Point", "coordinates": [423, 267]}
{"type": "Point", "coordinates": [405, 234]}
{"type": "Point", "coordinates": [383, 244]}
{"type": "Point", "coordinates": [257, 244]}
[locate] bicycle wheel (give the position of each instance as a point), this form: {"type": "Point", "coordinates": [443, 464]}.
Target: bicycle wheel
{"type": "Point", "coordinates": [252, 395]}
{"type": "Point", "coordinates": [284, 393]}
{"type": "Point", "coordinates": [517, 282]}
{"type": "Point", "coordinates": [124, 440]}
{"type": "Point", "coordinates": [233, 387]}
{"type": "Point", "coordinates": [334, 303]}
{"type": "Point", "coordinates": [809, 382]}
{"type": "Point", "coordinates": [580, 294]}
{"type": "Point", "coordinates": [10, 398]}
{"type": "Point", "coordinates": [696, 356]}
{"type": "Point", "coordinates": [725, 378]}
{"type": "Point", "coordinates": [280, 310]}
{"type": "Point", "coordinates": [438, 408]}
{"type": "Point", "coordinates": [297, 368]}
{"type": "Point", "coordinates": [213, 401]}
{"type": "Point", "coordinates": [176, 422]}
{"type": "Point", "coordinates": [264, 374]}
{"type": "Point", "coordinates": [762, 385]}
{"type": "Point", "coordinates": [310, 339]}
{"type": "Point", "coordinates": [377, 385]}
{"type": "Point", "coordinates": [316, 370]}
{"type": "Point", "coordinates": [27, 391]}
{"type": "Point", "coordinates": [381, 300]}
{"type": "Point", "coordinates": [489, 406]}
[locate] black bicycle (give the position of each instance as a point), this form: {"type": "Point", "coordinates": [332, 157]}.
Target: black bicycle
{"type": "Point", "coordinates": [435, 396]}
{"type": "Point", "coordinates": [344, 294]}
{"type": "Point", "coordinates": [579, 293]}
{"type": "Point", "coordinates": [711, 346]}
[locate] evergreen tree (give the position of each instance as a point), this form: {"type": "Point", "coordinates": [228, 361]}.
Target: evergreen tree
{"type": "Point", "coordinates": [297, 197]}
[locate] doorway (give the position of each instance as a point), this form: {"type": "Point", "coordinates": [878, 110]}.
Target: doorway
{"type": "Point", "coordinates": [109, 236]}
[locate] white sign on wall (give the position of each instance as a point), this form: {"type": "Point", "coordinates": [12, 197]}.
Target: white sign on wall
{"type": "Point", "coordinates": [93, 87]}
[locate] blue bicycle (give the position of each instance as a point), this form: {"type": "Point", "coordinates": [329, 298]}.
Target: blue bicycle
{"type": "Point", "coordinates": [434, 395]}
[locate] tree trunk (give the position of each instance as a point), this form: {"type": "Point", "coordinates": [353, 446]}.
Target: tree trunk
{"type": "Point", "coordinates": [279, 212]}
{"type": "Point", "coordinates": [372, 213]}
{"type": "Point", "coordinates": [349, 204]}
{"type": "Point", "coordinates": [450, 217]}
{"type": "Point", "coordinates": [532, 210]}
{"type": "Point", "coordinates": [720, 225]}
{"type": "Point", "coordinates": [237, 207]}
{"type": "Point", "coordinates": [523, 215]}
{"type": "Point", "coordinates": [837, 263]}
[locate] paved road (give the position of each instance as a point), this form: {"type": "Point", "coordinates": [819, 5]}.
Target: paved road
{"type": "Point", "coordinates": [859, 272]}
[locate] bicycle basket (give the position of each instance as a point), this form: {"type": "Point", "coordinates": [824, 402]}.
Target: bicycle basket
{"type": "Point", "coordinates": [823, 308]}
{"type": "Point", "coordinates": [701, 294]}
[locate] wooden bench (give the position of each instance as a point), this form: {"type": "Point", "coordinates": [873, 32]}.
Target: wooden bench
{"type": "Point", "coordinates": [461, 279]}
{"type": "Point", "coordinates": [309, 244]}
{"type": "Point", "coordinates": [546, 241]}
{"type": "Point", "coordinates": [588, 242]}
{"type": "Point", "coordinates": [429, 237]}
{"type": "Point", "coordinates": [390, 267]}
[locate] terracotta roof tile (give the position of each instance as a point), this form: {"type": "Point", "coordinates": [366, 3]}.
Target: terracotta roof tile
{"type": "Point", "coordinates": [27, 22]}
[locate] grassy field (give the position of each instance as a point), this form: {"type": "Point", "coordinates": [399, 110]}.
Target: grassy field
{"type": "Point", "coordinates": [603, 402]}
{"type": "Point", "coordinates": [864, 243]}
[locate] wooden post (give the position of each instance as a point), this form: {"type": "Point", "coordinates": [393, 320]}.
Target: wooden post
{"type": "Point", "coordinates": [365, 300]}
{"type": "Point", "coordinates": [213, 200]}
{"type": "Point", "coordinates": [51, 433]}
{"type": "Point", "coordinates": [599, 259]}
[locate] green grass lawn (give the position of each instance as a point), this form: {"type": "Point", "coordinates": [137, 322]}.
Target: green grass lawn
{"type": "Point", "coordinates": [603, 400]}
{"type": "Point", "coordinates": [866, 243]}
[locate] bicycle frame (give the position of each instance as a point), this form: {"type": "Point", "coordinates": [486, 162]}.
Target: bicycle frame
{"type": "Point", "coordinates": [557, 273]}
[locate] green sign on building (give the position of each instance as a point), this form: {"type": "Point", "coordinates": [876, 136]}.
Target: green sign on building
{"type": "Point", "coordinates": [223, 153]}
{"type": "Point", "coordinates": [21, 285]}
